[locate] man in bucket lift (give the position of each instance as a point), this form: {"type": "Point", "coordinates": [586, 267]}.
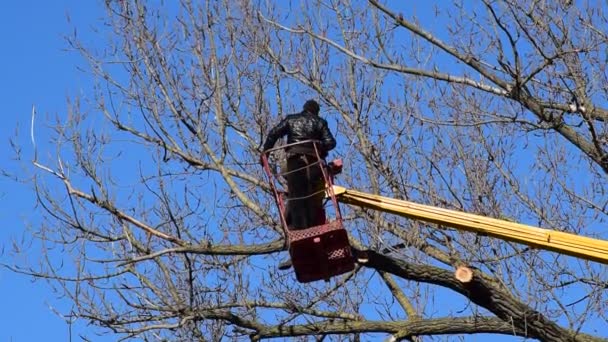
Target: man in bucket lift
{"type": "Point", "coordinates": [304, 181]}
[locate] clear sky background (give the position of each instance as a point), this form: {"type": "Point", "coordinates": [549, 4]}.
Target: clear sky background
{"type": "Point", "coordinates": [36, 69]}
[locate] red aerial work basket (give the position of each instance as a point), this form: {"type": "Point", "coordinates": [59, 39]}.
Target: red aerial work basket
{"type": "Point", "coordinates": [321, 251]}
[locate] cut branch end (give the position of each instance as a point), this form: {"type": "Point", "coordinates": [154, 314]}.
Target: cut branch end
{"type": "Point", "coordinates": [464, 274]}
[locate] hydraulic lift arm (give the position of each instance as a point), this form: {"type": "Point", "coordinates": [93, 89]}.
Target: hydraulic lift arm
{"type": "Point", "coordinates": [560, 242]}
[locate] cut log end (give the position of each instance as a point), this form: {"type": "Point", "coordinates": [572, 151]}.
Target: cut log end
{"type": "Point", "coordinates": [464, 274]}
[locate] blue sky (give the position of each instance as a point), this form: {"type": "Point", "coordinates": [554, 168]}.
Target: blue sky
{"type": "Point", "coordinates": [36, 70]}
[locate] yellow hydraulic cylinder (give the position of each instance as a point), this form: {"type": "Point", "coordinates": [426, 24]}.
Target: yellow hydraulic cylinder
{"type": "Point", "coordinates": [560, 242]}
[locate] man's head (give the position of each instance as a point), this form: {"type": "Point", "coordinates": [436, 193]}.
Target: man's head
{"type": "Point", "coordinates": [312, 106]}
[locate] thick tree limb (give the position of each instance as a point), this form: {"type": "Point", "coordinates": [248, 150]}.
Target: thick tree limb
{"type": "Point", "coordinates": [483, 291]}
{"type": "Point", "coordinates": [405, 329]}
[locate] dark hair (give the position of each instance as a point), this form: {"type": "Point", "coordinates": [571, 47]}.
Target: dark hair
{"type": "Point", "coordinates": [312, 106]}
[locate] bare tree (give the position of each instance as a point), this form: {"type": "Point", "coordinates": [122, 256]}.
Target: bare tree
{"type": "Point", "coordinates": [158, 222]}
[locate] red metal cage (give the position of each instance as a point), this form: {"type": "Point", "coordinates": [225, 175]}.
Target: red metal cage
{"type": "Point", "coordinates": [321, 251]}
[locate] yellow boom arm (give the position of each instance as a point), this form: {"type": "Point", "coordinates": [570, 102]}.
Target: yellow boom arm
{"type": "Point", "coordinates": [565, 243]}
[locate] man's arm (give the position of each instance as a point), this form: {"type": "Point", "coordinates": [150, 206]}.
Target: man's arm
{"type": "Point", "coordinates": [275, 133]}
{"type": "Point", "coordinates": [327, 139]}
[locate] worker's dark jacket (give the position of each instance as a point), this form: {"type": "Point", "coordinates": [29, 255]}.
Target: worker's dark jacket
{"type": "Point", "coordinates": [300, 127]}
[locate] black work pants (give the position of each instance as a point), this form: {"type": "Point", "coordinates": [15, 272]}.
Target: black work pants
{"type": "Point", "coordinates": [306, 187]}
